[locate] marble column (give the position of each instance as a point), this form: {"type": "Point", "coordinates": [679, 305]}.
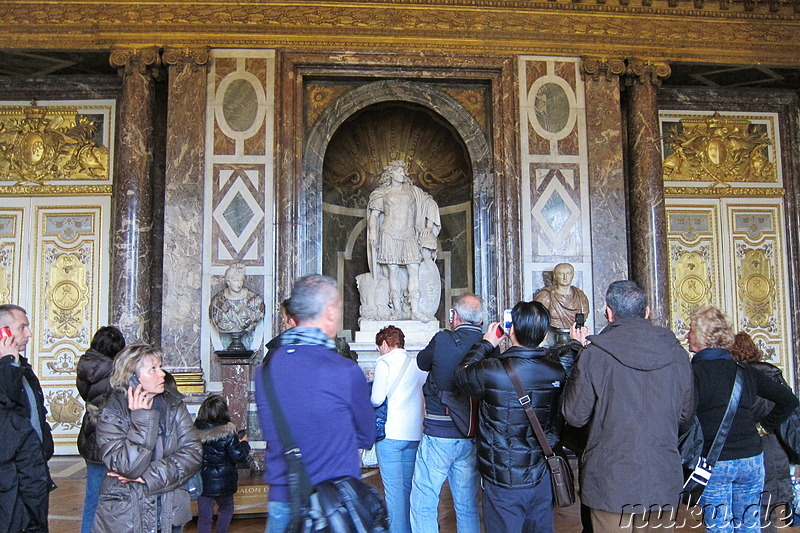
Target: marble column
{"type": "Point", "coordinates": [133, 197]}
{"type": "Point", "coordinates": [183, 210]}
{"type": "Point", "coordinates": [606, 176]}
{"type": "Point", "coordinates": [647, 217]}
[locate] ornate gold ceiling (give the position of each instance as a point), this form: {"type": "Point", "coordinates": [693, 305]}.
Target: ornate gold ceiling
{"type": "Point", "coordinates": [731, 31]}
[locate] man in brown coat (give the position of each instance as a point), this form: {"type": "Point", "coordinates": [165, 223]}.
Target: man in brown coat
{"type": "Point", "coordinates": [633, 385]}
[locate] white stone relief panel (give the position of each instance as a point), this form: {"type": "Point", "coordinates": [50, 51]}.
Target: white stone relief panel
{"type": "Point", "coordinates": [239, 212]}
{"type": "Point", "coordinates": [554, 180]}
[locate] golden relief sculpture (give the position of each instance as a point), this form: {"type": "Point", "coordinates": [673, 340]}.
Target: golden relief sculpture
{"type": "Point", "coordinates": [5, 288]}
{"type": "Point", "coordinates": [720, 150]}
{"type": "Point", "coordinates": [65, 408]}
{"type": "Point", "coordinates": [64, 363]}
{"type": "Point", "coordinates": [39, 144]}
{"type": "Point", "coordinates": [691, 283]}
{"type": "Point", "coordinates": [756, 287]}
{"type": "Point", "coordinates": [67, 295]}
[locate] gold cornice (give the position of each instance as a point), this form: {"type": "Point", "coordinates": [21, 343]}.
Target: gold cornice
{"type": "Point", "coordinates": [639, 71]}
{"type": "Point", "coordinates": [607, 67]}
{"type": "Point", "coordinates": [185, 56]}
{"type": "Point", "coordinates": [55, 190]}
{"type": "Point", "coordinates": [725, 192]}
{"type": "Point", "coordinates": [486, 27]}
{"type": "Point", "coordinates": [135, 60]}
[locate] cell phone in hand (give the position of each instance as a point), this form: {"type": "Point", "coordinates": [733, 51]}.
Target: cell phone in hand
{"type": "Point", "coordinates": [507, 320]}
{"type": "Point", "coordinates": [241, 433]}
{"type": "Point", "coordinates": [134, 381]}
{"type": "Point", "coordinates": [580, 320]}
{"type": "Point", "coordinates": [5, 332]}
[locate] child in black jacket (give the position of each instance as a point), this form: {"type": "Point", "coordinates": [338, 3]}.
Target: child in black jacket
{"type": "Point", "coordinates": [222, 450]}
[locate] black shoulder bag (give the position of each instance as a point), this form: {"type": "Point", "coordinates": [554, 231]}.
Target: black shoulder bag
{"type": "Point", "coordinates": [698, 479]}
{"type": "Point", "coordinates": [340, 505]}
{"type": "Point", "coordinates": [561, 480]}
{"type": "Point", "coordinates": [461, 407]}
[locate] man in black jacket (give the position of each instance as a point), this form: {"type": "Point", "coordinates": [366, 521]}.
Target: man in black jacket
{"type": "Point", "coordinates": [516, 481]}
{"type": "Point", "coordinates": [20, 387]}
{"type": "Point", "coordinates": [633, 385]}
{"type": "Point", "coordinates": [444, 453]}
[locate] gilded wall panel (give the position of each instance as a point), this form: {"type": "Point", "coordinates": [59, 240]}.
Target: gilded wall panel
{"type": "Point", "coordinates": [69, 301]}
{"type": "Point", "coordinates": [11, 247]}
{"type": "Point", "coordinates": [554, 181]}
{"type": "Point", "coordinates": [757, 263]}
{"type": "Point", "coordinates": [694, 260]}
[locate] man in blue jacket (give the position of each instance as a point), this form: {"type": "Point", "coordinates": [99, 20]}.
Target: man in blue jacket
{"type": "Point", "coordinates": [324, 397]}
{"type": "Point", "coordinates": [444, 453]}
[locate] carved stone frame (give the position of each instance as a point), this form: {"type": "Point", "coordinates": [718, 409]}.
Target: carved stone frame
{"type": "Point", "coordinates": [495, 170]}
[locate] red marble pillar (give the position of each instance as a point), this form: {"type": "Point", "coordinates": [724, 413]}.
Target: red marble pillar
{"type": "Point", "coordinates": [131, 254]}
{"type": "Point", "coordinates": [183, 208]}
{"type": "Point", "coordinates": [647, 217]}
{"type": "Point", "coordinates": [606, 176]}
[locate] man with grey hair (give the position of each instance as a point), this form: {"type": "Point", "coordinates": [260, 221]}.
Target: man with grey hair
{"type": "Point", "coordinates": [324, 397]}
{"type": "Point", "coordinates": [21, 398]}
{"type": "Point", "coordinates": [444, 452]}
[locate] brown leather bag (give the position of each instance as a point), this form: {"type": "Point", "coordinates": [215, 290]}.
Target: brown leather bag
{"type": "Point", "coordinates": [563, 485]}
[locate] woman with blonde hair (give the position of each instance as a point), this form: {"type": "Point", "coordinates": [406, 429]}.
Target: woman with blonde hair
{"type": "Point", "coordinates": [150, 446]}
{"type": "Point", "coordinates": [732, 497]}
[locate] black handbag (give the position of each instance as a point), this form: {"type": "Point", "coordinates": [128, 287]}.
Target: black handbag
{"type": "Point", "coordinates": [341, 505]}
{"type": "Point", "coordinates": [561, 480]}
{"type": "Point", "coordinates": [698, 478]}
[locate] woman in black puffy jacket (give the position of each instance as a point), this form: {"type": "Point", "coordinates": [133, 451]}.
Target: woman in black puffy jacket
{"type": "Point", "coordinates": [222, 449]}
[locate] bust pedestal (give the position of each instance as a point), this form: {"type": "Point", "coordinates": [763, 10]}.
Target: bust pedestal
{"type": "Point", "coordinates": [415, 331]}
{"type": "Point", "coordinates": [235, 368]}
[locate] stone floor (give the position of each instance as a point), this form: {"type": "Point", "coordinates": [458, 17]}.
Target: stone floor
{"type": "Point", "coordinates": [66, 504]}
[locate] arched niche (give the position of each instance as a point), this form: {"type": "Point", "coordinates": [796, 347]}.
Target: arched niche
{"type": "Point", "coordinates": [441, 107]}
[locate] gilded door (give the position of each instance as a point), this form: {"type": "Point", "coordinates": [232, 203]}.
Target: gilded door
{"type": "Point", "coordinates": [725, 220]}
{"type": "Point", "coordinates": [54, 242]}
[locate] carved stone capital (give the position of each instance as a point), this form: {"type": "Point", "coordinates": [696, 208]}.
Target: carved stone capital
{"type": "Point", "coordinates": [192, 57]}
{"type": "Point", "coordinates": [597, 67]}
{"type": "Point", "coordinates": [642, 71]}
{"type": "Point", "coordinates": [135, 60]}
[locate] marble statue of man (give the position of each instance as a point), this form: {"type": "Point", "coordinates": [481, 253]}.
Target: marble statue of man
{"type": "Point", "coordinates": [236, 308]}
{"type": "Point", "coordinates": [562, 299]}
{"type": "Point", "coordinates": [401, 217]}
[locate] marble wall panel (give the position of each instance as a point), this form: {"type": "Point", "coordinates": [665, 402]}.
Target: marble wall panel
{"type": "Point", "coordinates": [183, 218]}
{"type": "Point", "coordinates": [238, 193]}
{"type": "Point", "coordinates": [606, 188]}
{"type": "Point", "coordinates": [555, 204]}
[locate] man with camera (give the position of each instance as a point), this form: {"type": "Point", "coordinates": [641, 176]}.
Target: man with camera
{"type": "Point", "coordinates": [22, 405]}
{"type": "Point", "coordinates": [444, 452]}
{"type": "Point", "coordinates": [633, 385]}
{"type": "Point", "coordinates": [517, 494]}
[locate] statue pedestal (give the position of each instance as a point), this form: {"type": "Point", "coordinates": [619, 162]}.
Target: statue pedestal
{"type": "Point", "coordinates": [415, 331]}
{"type": "Point", "coordinates": [235, 368]}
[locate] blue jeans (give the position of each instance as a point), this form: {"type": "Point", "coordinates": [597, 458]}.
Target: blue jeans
{"type": "Point", "coordinates": [95, 474]}
{"type": "Point", "coordinates": [396, 461]}
{"type": "Point", "coordinates": [731, 501]}
{"type": "Point", "coordinates": [439, 459]}
{"type": "Point", "coordinates": [519, 510]}
{"type": "Point", "coordinates": [279, 516]}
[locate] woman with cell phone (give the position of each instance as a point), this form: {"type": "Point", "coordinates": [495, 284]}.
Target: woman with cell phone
{"type": "Point", "coordinates": [150, 446]}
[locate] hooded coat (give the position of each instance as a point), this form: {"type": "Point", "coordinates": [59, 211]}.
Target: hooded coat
{"type": "Point", "coordinates": [93, 381]}
{"type": "Point", "coordinates": [221, 451]}
{"type": "Point", "coordinates": [164, 451]}
{"type": "Point", "coordinates": [633, 386]}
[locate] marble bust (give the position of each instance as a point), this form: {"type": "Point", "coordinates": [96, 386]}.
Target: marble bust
{"type": "Point", "coordinates": [236, 309]}
{"type": "Point", "coordinates": [562, 299]}
{"type": "Point", "coordinates": [403, 225]}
